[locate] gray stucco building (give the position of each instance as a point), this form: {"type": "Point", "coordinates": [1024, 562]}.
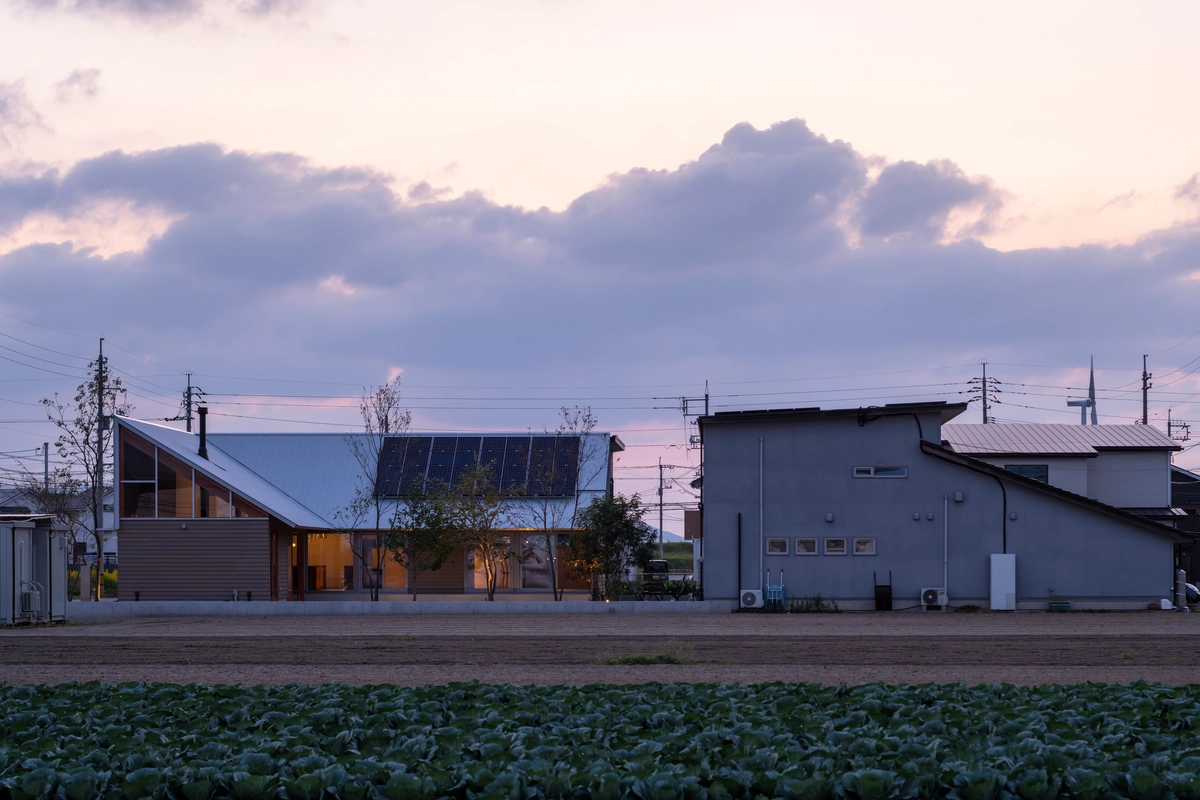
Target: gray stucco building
{"type": "Point", "coordinates": [840, 500]}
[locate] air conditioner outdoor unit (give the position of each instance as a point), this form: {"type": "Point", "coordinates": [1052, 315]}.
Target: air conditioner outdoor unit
{"type": "Point", "coordinates": [751, 598]}
{"type": "Point", "coordinates": [934, 597]}
{"type": "Point", "coordinates": [31, 602]}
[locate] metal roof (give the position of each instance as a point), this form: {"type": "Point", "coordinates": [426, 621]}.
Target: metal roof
{"type": "Point", "coordinates": [1053, 439]}
{"type": "Point", "coordinates": [226, 469]}
{"type": "Point", "coordinates": [276, 470]}
{"type": "Point", "coordinates": [947, 411]}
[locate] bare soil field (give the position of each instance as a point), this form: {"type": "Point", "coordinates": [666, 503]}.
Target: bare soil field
{"type": "Point", "coordinates": [1025, 648]}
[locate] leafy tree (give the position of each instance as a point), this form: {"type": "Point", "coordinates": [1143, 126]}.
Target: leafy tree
{"type": "Point", "coordinates": [382, 418]}
{"type": "Point", "coordinates": [554, 514]}
{"type": "Point", "coordinates": [85, 444]}
{"type": "Point", "coordinates": [611, 538]}
{"type": "Point", "coordinates": [422, 533]}
{"type": "Point", "coordinates": [479, 509]}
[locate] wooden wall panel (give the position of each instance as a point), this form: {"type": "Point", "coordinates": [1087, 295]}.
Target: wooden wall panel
{"type": "Point", "coordinates": [207, 561]}
{"type": "Point", "coordinates": [451, 578]}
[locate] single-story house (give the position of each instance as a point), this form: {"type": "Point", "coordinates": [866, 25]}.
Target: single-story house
{"type": "Point", "coordinates": [838, 502]}
{"type": "Point", "coordinates": [204, 516]}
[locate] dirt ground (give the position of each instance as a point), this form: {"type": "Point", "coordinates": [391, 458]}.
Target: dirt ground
{"type": "Point", "coordinates": [1024, 648]}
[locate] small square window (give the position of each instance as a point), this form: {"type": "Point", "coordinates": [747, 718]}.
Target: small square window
{"type": "Point", "coordinates": [777, 547]}
{"type": "Point", "coordinates": [864, 547]}
{"type": "Point", "coordinates": [863, 472]}
{"type": "Point", "coordinates": [806, 546]}
{"type": "Point", "coordinates": [835, 547]}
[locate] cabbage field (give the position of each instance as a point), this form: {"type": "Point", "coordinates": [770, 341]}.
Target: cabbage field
{"type": "Point", "coordinates": [652, 741]}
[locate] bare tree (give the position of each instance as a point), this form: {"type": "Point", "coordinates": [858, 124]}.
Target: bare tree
{"type": "Point", "coordinates": [553, 513]}
{"type": "Point", "coordinates": [382, 418]}
{"type": "Point", "coordinates": [479, 511]}
{"type": "Point", "coordinates": [85, 443]}
{"type": "Point", "coordinates": [422, 534]}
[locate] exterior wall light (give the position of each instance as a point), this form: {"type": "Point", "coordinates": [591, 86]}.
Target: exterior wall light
{"type": "Point", "coordinates": [917, 515]}
{"type": "Point", "coordinates": [829, 517]}
{"type": "Point", "coordinates": [1012, 515]}
{"type": "Point", "coordinates": [929, 516]}
{"type": "Point", "coordinates": [958, 496]}
{"type": "Point", "coordinates": [183, 526]}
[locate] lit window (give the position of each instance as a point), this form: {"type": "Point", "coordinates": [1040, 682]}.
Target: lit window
{"type": "Point", "coordinates": [777, 547]}
{"type": "Point", "coordinates": [835, 547]}
{"type": "Point", "coordinates": [806, 546]}
{"type": "Point", "coordinates": [864, 547]}
{"type": "Point", "coordinates": [881, 472]}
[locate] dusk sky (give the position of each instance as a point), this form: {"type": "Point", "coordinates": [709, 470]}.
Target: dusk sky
{"type": "Point", "coordinates": [522, 205]}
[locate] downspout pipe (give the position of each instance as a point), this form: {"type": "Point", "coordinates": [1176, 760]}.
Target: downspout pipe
{"type": "Point", "coordinates": [762, 542]}
{"type": "Point", "coordinates": [739, 559]}
{"type": "Point", "coordinates": [1004, 515]}
{"type": "Point", "coordinates": [946, 542]}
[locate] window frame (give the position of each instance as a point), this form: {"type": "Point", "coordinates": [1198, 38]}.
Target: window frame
{"type": "Point", "coordinates": [854, 545]}
{"type": "Point", "coordinates": [828, 552]}
{"type": "Point", "coordinates": [786, 551]}
{"type": "Point", "coordinates": [816, 546]}
{"type": "Point", "coordinates": [872, 472]}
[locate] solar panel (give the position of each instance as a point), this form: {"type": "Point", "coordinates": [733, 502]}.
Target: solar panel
{"type": "Point", "coordinates": [541, 466]}
{"type": "Point", "coordinates": [516, 463]}
{"type": "Point", "coordinates": [466, 455]}
{"type": "Point", "coordinates": [441, 460]}
{"type": "Point", "coordinates": [492, 456]}
{"type": "Point", "coordinates": [402, 463]}
{"type": "Point", "coordinates": [566, 466]}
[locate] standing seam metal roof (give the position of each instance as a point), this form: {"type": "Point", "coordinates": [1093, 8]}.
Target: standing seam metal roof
{"type": "Point", "coordinates": [1037, 438]}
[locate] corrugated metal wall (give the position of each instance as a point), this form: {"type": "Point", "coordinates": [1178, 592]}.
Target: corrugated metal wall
{"type": "Point", "coordinates": [207, 561]}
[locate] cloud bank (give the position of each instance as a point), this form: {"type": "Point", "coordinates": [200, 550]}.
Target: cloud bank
{"type": "Point", "coordinates": [774, 253]}
{"type": "Point", "coordinates": [162, 10]}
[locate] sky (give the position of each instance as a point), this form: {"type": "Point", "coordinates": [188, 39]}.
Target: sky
{"type": "Point", "coordinates": [516, 206]}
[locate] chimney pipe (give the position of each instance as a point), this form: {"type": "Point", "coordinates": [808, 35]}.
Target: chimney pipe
{"type": "Point", "coordinates": [203, 431]}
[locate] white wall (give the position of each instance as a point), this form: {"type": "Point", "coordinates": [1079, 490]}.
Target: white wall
{"type": "Point", "coordinates": [1131, 480]}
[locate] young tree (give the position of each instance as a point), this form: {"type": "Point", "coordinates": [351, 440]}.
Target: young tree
{"type": "Point", "coordinates": [553, 514]}
{"type": "Point", "coordinates": [479, 509]}
{"type": "Point", "coordinates": [85, 443]}
{"type": "Point", "coordinates": [422, 533]}
{"type": "Point", "coordinates": [382, 418]}
{"type": "Point", "coordinates": [611, 539]}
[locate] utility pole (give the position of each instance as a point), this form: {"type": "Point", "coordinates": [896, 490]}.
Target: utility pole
{"type": "Point", "coordinates": [1146, 376]}
{"type": "Point", "coordinates": [984, 393]}
{"type": "Point", "coordinates": [188, 403]}
{"type": "Point", "coordinates": [660, 507]}
{"type": "Point", "coordinates": [98, 478]}
{"type": "Point", "coordinates": [46, 464]}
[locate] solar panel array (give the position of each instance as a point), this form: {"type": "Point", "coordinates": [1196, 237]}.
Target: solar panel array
{"type": "Point", "coordinates": [534, 466]}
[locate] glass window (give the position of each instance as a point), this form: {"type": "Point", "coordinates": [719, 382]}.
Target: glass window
{"type": "Point", "coordinates": [174, 487]}
{"type": "Point", "coordinates": [535, 564]}
{"type": "Point", "coordinates": [806, 546]}
{"type": "Point", "coordinates": [373, 553]}
{"type": "Point", "coordinates": [247, 510]}
{"type": "Point", "coordinates": [565, 579]}
{"type": "Point", "coordinates": [864, 547]}
{"type": "Point", "coordinates": [137, 458]}
{"type": "Point", "coordinates": [1038, 472]}
{"type": "Point", "coordinates": [137, 499]}
{"type": "Point", "coordinates": [777, 547]}
{"type": "Point", "coordinates": [881, 472]}
{"type": "Point", "coordinates": [212, 499]}
{"type": "Point", "coordinates": [478, 569]}
{"type": "Point", "coordinates": [330, 563]}
{"type": "Point", "coordinates": [835, 547]}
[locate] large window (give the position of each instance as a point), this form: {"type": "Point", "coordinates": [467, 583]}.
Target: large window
{"type": "Point", "coordinates": [1038, 472]}
{"type": "Point", "coordinates": [536, 566]}
{"type": "Point", "coordinates": [375, 554]}
{"type": "Point", "coordinates": [330, 563]}
{"type": "Point", "coordinates": [477, 567]}
{"type": "Point", "coordinates": [155, 483]}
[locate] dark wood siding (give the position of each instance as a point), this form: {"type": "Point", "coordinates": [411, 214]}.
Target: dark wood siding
{"type": "Point", "coordinates": [207, 561]}
{"type": "Point", "coordinates": [452, 577]}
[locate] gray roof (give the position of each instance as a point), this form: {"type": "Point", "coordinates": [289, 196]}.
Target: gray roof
{"type": "Point", "coordinates": [305, 478]}
{"type": "Point", "coordinates": [228, 471]}
{"type": "Point", "coordinates": [1037, 438]}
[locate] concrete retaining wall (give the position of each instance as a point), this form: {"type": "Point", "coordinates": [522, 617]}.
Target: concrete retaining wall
{"type": "Point", "coordinates": [88, 612]}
